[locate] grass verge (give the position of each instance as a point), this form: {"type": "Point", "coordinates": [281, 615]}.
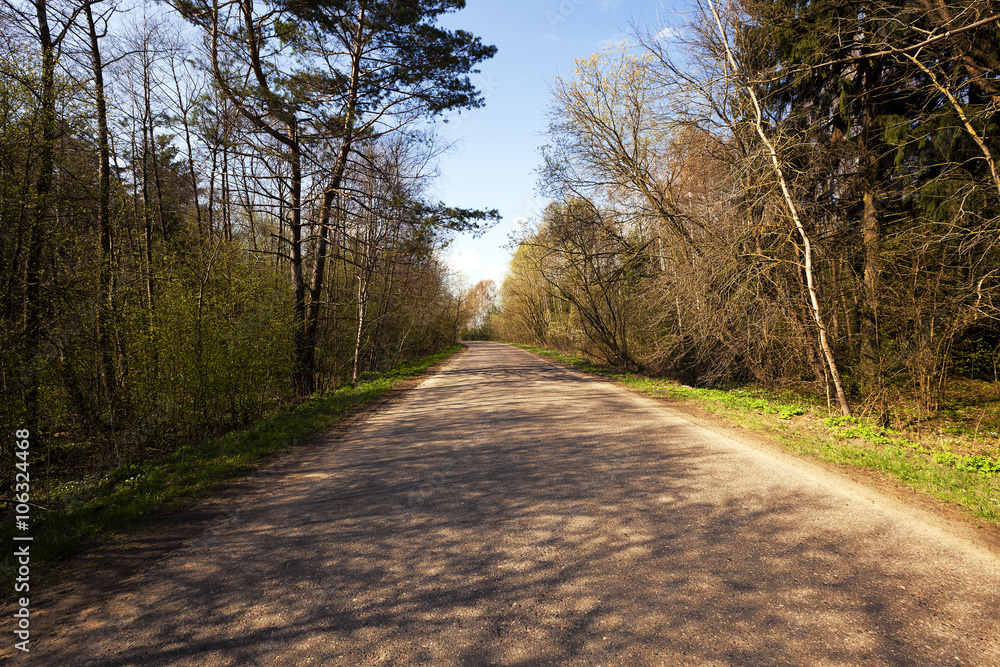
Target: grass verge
{"type": "Point", "coordinates": [132, 495]}
{"type": "Point", "coordinates": [940, 467]}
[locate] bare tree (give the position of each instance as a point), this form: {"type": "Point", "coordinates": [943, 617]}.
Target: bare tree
{"type": "Point", "coordinates": [757, 119]}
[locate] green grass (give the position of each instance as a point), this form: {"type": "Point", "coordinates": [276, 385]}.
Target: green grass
{"type": "Point", "coordinates": [133, 494]}
{"type": "Point", "coordinates": [925, 463]}
{"type": "Point", "coordinates": [737, 399]}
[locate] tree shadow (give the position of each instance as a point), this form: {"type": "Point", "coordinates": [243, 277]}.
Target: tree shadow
{"type": "Point", "coordinates": [556, 524]}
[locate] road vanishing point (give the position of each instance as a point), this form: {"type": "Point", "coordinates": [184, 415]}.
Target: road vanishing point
{"type": "Point", "coordinates": [510, 511]}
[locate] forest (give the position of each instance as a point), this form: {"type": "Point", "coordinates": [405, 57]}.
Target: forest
{"type": "Point", "coordinates": [209, 209]}
{"type": "Point", "coordinates": [789, 193]}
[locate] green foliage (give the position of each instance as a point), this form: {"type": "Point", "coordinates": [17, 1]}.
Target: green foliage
{"type": "Point", "coordinates": [143, 315]}
{"type": "Point", "coordinates": [737, 399]}
{"type": "Point", "coordinates": [407, 60]}
{"type": "Point", "coordinates": [849, 428]}
{"type": "Point", "coordinates": [977, 355]}
{"type": "Point", "coordinates": [457, 219]}
{"type": "Point", "coordinates": [975, 463]}
{"type": "Point", "coordinates": [483, 332]}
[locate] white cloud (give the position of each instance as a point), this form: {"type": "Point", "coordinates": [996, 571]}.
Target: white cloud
{"type": "Point", "coordinates": [464, 261]}
{"type": "Point", "coordinates": [617, 40]}
{"type": "Point", "coordinates": [468, 267]}
{"type": "Point", "coordinates": [668, 34]}
{"type": "Point", "coordinates": [495, 272]}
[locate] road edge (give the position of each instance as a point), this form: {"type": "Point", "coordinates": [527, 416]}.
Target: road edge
{"type": "Point", "coordinates": [89, 577]}
{"type": "Point", "coordinates": [947, 517]}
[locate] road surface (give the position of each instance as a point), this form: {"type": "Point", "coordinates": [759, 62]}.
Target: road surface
{"type": "Point", "coordinates": [511, 512]}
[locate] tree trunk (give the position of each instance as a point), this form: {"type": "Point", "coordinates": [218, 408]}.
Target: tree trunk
{"type": "Point", "coordinates": [311, 323]}
{"type": "Point", "coordinates": [43, 188]}
{"type": "Point", "coordinates": [184, 108]}
{"type": "Point", "coordinates": [147, 225]}
{"type": "Point", "coordinates": [106, 277]}
{"type": "Point", "coordinates": [812, 291]}
{"type": "Point", "coordinates": [871, 367]}
{"type": "Point", "coordinates": [303, 375]}
{"type": "Point", "coordinates": [362, 307]}
{"type": "Point", "coordinates": [329, 196]}
{"type": "Point", "coordinates": [153, 159]}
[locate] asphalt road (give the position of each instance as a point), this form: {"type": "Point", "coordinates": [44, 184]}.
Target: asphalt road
{"type": "Point", "coordinates": [510, 512]}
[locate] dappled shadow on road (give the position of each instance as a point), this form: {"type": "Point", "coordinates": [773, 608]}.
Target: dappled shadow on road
{"type": "Point", "coordinates": [551, 524]}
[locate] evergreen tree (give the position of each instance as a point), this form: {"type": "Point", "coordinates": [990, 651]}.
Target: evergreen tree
{"type": "Point", "coordinates": [316, 77]}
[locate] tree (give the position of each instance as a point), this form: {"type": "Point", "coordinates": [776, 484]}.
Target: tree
{"type": "Point", "coordinates": [50, 25]}
{"type": "Point", "coordinates": [859, 84]}
{"type": "Point", "coordinates": [525, 302]}
{"type": "Point", "coordinates": [316, 78]}
{"type": "Point", "coordinates": [745, 81]}
{"type": "Point", "coordinates": [809, 188]}
{"type": "Point", "coordinates": [150, 207]}
{"type": "Point", "coordinates": [586, 262]}
{"type": "Point", "coordinates": [611, 137]}
{"type": "Point", "coordinates": [479, 303]}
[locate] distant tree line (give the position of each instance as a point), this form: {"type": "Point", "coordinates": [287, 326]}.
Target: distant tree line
{"type": "Point", "coordinates": [478, 311]}
{"type": "Point", "coordinates": [777, 192]}
{"type": "Point", "coordinates": [210, 208]}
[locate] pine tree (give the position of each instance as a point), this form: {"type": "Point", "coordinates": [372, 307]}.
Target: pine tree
{"type": "Point", "coordinates": [316, 77]}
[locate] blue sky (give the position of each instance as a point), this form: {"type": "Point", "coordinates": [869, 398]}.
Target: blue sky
{"type": "Point", "coordinates": [493, 162]}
